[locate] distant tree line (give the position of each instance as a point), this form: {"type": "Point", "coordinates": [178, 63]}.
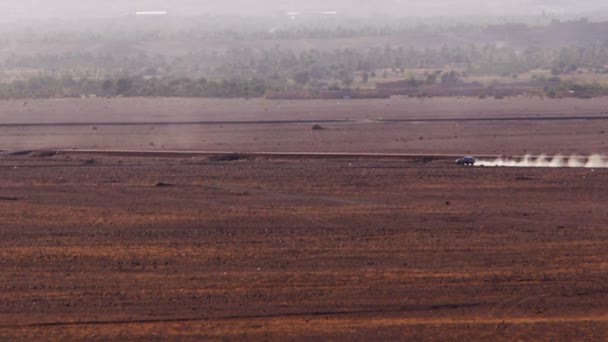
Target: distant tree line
{"type": "Point", "coordinates": [67, 87]}
{"type": "Point", "coordinates": [49, 87]}
{"type": "Point", "coordinates": [285, 64]}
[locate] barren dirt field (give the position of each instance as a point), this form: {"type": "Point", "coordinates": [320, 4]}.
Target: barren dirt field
{"type": "Point", "coordinates": [94, 248]}
{"type": "Point", "coordinates": [153, 246]}
{"type": "Point", "coordinates": [397, 125]}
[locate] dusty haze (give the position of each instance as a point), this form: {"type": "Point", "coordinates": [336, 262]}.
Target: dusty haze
{"type": "Point", "coordinates": [37, 9]}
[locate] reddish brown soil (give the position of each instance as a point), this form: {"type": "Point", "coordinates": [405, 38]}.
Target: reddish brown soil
{"type": "Point", "coordinates": [302, 249]}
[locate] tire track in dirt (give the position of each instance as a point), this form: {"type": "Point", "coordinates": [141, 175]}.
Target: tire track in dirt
{"type": "Point", "coordinates": [245, 317]}
{"type": "Point", "coordinates": [377, 321]}
{"type": "Point", "coordinates": [280, 195]}
{"type": "Point", "coordinates": [601, 117]}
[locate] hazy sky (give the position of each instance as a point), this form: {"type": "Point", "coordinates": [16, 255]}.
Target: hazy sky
{"type": "Point", "coordinates": [20, 9]}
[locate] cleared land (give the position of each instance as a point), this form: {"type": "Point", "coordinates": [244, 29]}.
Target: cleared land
{"type": "Point", "coordinates": [398, 125]}
{"type": "Point", "coordinates": [98, 247]}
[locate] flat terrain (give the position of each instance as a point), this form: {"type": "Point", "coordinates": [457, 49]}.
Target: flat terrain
{"type": "Point", "coordinates": [97, 247]}
{"type": "Point", "coordinates": [398, 125]}
{"type": "Point", "coordinates": [153, 246]}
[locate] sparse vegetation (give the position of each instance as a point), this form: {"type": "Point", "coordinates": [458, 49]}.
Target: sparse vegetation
{"type": "Point", "coordinates": [239, 71]}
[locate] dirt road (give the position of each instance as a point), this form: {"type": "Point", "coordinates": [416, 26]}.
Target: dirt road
{"type": "Point", "coordinates": [400, 125]}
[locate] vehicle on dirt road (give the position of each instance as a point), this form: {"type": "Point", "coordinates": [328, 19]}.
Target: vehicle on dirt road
{"type": "Point", "coordinates": [466, 161]}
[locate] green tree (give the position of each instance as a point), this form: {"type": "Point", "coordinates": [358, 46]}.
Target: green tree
{"type": "Point", "coordinates": [123, 85]}
{"type": "Point", "coordinates": [301, 77]}
{"type": "Point", "coordinates": [107, 86]}
{"type": "Point", "coordinates": [365, 77]}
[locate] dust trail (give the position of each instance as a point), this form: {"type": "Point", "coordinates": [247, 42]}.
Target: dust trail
{"type": "Point", "coordinates": [594, 161]}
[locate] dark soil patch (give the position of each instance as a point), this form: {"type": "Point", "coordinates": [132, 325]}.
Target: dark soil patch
{"type": "Point", "coordinates": [8, 199]}
{"type": "Point", "coordinates": [524, 178]}
{"type": "Point", "coordinates": [20, 153]}
{"type": "Point", "coordinates": [424, 160]}
{"type": "Point", "coordinates": [230, 157]}
{"type": "Point", "coordinates": [43, 154]}
{"type": "Point", "coordinates": [33, 153]}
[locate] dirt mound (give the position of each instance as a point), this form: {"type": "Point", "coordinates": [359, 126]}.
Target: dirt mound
{"type": "Point", "coordinates": [11, 199]}
{"type": "Point", "coordinates": [31, 153]}
{"type": "Point", "coordinates": [163, 185]}
{"type": "Point", "coordinates": [20, 153]}
{"type": "Point", "coordinates": [230, 157]}
{"type": "Point", "coordinates": [424, 160]}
